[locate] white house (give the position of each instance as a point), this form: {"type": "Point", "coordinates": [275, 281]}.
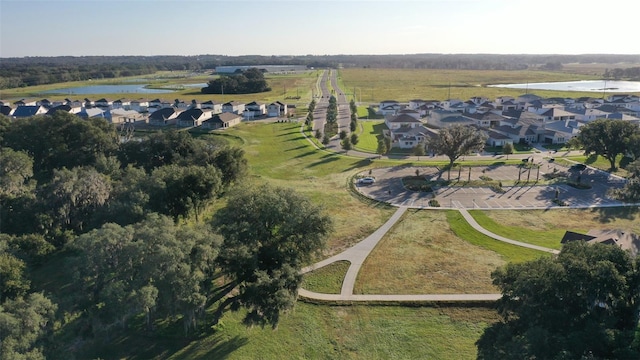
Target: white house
{"type": "Point", "coordinates": [254, 110]}
{"type": "Point", "coordinates": [210, 105]}
{"type": "Point", "coordinates": [235, 107]}
{"type": "Point", "coordinates": [139, 105]}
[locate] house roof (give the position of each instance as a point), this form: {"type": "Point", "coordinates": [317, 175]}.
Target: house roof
{"type": "Point", "coordinates": [163, 114]}
{"type": "Point", "coordinates": [403, 118]}
{"type": "Point", "coordinates": [255, 103]}
{"type": "Point", "coordinates": [5, 110]}
{"type": "Point", "coordinates": [233, 103]}
{"type": "Point", "coordinates": [64, 107]}
{"type": "Point", "coordinates": [26, 110]}
{"type": "Point", "coordinates": [223, 118]}
{"type": "Point", "coordinates": [624, 239]}
{"type": "Point", "coordinates": [191, 114]}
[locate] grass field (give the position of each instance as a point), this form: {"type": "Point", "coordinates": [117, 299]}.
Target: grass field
{"type": "Point", "coordinates": [421, 255]}
{"type": "Point", "coordinates": [282, 87]}
{"type": "Point", "coordinates": [371, 134]}
{"type": "Point", "coordinates": [403, 85]}
{"type": "Point", "coordinates": [326, 280]}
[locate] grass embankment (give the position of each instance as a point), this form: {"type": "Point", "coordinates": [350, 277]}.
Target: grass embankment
{"type": "Point", "coordinates": [406, 84]}
{"type": "Point", "coordinates": [326, 280]}
{"type": "Point", "coordinates": [371, 134]}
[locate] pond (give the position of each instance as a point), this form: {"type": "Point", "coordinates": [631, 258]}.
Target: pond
{"type": "Point", "coordinates": [583, 85]}
{"type": "Point", "coordinates": [107, 89]}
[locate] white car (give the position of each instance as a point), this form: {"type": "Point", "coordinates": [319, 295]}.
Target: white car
{"type": "Point", "coordinates": [366, 181]}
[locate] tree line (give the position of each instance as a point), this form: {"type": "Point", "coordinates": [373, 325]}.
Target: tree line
{"type": "Point", "coordinates": [632, 73]}
{"type": "Point", "coordinates": [249, 81]}
{"type": "Point", "coordinates": [124, 223]}
{"type": "Point", "coordinates": [28, 71]}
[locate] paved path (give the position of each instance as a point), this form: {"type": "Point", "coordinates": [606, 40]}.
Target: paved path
{"type": "Point", "coordinates": [479, 228]}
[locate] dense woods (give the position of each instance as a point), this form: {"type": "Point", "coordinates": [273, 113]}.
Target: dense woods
{"type": "Point", "coordinates": [250, 81]}
{"type": "Point", "coordinates": [28, 71]}
{"type": "Point", "coordinates": [124, 224]}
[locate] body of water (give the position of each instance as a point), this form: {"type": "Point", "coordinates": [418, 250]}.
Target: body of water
{"type": "Point", "coordinates": [107, 89]}
{"type": "Point", "coordinates": [583, 85]}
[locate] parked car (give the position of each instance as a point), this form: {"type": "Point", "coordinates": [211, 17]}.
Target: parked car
{"type": "Point", "coordinates": [366, 181]}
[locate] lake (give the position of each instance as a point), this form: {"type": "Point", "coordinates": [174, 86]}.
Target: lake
{"type": "Point", "coordinates": [107, 89]}
{"type": "Point", "coordinates": [583, 85]}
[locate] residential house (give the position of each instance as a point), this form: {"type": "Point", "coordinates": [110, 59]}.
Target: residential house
{"type": "Point", "coordinates": [557, 114]}
{"type": "Point", "coordinates": [122, 116]}
{"type": "Point", "coordinates": [522, 126]}
{"type": "Point", "coordinates": [560, 132]}
{"type": "Point", "coordinates": [485, 120]}
{"type": "Point", "coordinates": [275, 109]}
{"type": "Point", "coordinates": [6, 110]}
{"type": "Point", "coordinates": [389, 107]}
{"type": "Point", "coordinates": [413, 113]}
{"type": "Point", "coordinates": [623, 239]}
{"type": "Point", "coordinates": [254, 110]}
{"type": "Point", "coordinates": [496, 139]}
{"type": "Point", "coordinates": [164, 116]}
{"type": "Point", "coordinates": [139, 105]}
{"type": "Point", "coordinates": [121, 104]}
{"type": "Point", "coordinates": [210, 105]}
{"type": "Point", "coordinates": [28, 110]}
{"type": "Point", "coordinates": [222, 121]}
{"type": "Point", "coordinates": [23, 102]}
{"type": "Point", "coordinates": [444, 119]}
{"type": "Point", "coordinates": [44, 102]}
{"type": "Point", "coordinates": [235, 107]}
{"type": "Point", "coordinates": [64, 108]}
{"type": "Point", "coordinates": [405, 131]}
{"type": "Point", "coordinates": [193, 117]}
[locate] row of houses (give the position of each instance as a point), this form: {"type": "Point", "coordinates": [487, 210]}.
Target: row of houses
{"type": "Point", "coordinates": [155, 112]}
{"type": "Point", "coordinates": [526, 119]}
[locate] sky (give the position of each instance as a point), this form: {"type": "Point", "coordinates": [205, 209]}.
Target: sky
{"type": "Point", "coordinates": [329, 27]}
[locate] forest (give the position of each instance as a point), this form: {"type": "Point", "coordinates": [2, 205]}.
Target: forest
{"type": "Point", "coordinates": [125, 224]}
{"type": "Point", "coordinates": [29, 71]}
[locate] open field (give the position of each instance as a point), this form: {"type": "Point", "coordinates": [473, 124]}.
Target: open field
{"type": "Point", "coordinates": [421, 255]}
{"type": "Point", "coordinates": [282, 87]}
{"type": "Point", "coordinates": [375, 85]}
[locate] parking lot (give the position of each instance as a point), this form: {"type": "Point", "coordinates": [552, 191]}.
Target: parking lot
{"type": "Point", "coordinates": [388, 187]}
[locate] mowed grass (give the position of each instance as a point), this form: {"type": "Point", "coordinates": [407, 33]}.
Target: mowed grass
{"type": "Point", "coordinates": [510, 253]}
{"type": "Point", "coordinates": [328, 279]}
{"type": "Point", "coordinates": [422, 255]}
{"type": "Point", "coordinates": [406, 84]}
{"type": "Point", "coordinates": [551, 224]}
{"type": "Point", "coordinates": [541, 233]}
{"type": "Point", "coordinates": [371, 134]}
{"type": "Point", "coordinates": [280, 155]}
{"type": "Point", "coordinates": [347, 332]}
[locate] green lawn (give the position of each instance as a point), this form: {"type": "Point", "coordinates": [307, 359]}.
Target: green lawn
{"type": "Point", "coordinates": [326, 280]}
{"type": "Point", "coordinates": [371, 134]}
{"type": "Point", "coordinates": [510, 253]}
{"type": "Point", "coordinates": [548, 238]}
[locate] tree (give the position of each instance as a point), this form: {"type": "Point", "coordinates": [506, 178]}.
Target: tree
{"type": "Point", "coordinates": [354, 139]}
{"type": "Point", "coordinates": [630, 192]}
{"type": "Point", "coordinates": [245, 82]}
{"type": "Point", "coordinates": [607, 138]}
{"type": "Point", "coordinates": [346, 144]}
{"type": "Point", "coordinates": [419, 150]}
{"type": "Point", "coordinates": [62, 140]}
{"type": "Point", "coordinates": [318, 134]}
{"type": "Point", "coordinates": [269, 233]}
{"type": "Point", "coordinates": [25, 323]}
{"type": "Point", "coordinates": [382, 147]}
{"type": "Point", "coordinates": [582, 304]}
{"type": "Point", "coordinates": [507, 148]}
{"type": "Point", "coordinates": [16, 168]}
{"type": "Point", "coordinates": [456, 141]}
{"type": "Point", "coordinates": [152, 268]}
{"type": "Point", "coordinates": [325, 140]}
{"type": "Point", "coordinates": [343, 135]}
{"type": "Point", "coordinates": [180, 190]}
{"type": "Point", "coordinates": [72, 196]}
